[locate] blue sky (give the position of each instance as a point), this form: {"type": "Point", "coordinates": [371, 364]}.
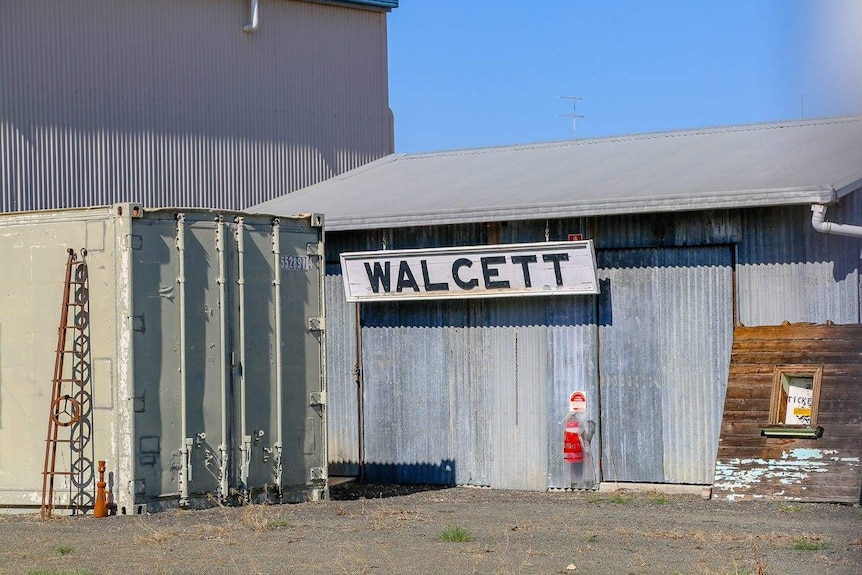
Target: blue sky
{"type": "Point", "coordinates": [474, 73]}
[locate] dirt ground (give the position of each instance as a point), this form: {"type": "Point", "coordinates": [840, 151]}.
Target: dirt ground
{"type": "Point", "coordinates": [367, 529]}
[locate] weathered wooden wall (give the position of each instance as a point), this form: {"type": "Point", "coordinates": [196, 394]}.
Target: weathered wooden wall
{"type": "Point", "coordinates": [750, 466]}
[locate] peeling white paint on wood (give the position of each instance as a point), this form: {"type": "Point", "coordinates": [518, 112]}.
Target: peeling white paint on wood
{"type": "Point", "coordinates": [737, 476]}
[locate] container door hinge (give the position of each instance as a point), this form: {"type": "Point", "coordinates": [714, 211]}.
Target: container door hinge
{"type": "Point", "coordinates": [317, 323]}
{"type": "Point", "coordinates": [134, 242]}
{"type": "Point", "coordinates": [317, 474]}
{"type": "Point", "coordinates": [317, 398]}
{"type": "Point", "coordinates": [315, 220]}
{"type": "Point", "coordinates": [314, 249]}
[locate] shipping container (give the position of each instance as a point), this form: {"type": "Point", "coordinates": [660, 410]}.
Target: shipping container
{"type": "Point", "coordinates": [204, 363]}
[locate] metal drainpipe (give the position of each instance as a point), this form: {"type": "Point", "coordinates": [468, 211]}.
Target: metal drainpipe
{"type": "Point", "coordinates": [252, 17]}
{"type": "Point", "coordinates": [245, 448]}
{"type": "Point", "coordinates": [223, 446]}
{"type": "Point", "coordinates": [185, 475]}
{"type": "Point", "coordinates": [357, 374]}
{"type": "Point", "coordinates": [276, 288]}
{"type": "Point", "coordinates": [819, 223]}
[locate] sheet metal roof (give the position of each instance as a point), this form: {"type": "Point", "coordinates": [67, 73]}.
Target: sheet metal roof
{"type": "Point", "coordinates": [815, 161]}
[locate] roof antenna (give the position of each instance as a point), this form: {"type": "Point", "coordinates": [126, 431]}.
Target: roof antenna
{"type": "Point", "coordinates": [574, 115]}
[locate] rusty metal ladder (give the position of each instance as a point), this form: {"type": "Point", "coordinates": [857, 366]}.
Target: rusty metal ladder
{"type": "Point", "coordinates": [71, 397]}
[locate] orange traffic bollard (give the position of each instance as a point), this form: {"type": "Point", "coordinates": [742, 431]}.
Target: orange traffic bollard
{"type": "Point", "coordinates": [100, 508]}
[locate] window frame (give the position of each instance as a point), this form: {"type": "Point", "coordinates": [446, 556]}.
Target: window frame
{"type": "Point", "coordinates": [778, 399]}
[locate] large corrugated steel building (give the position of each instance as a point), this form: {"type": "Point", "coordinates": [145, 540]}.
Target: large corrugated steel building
{"type": "Point", "coordinates": [695, 232]}
{"type": "Point", "coordinates": [193, 103]}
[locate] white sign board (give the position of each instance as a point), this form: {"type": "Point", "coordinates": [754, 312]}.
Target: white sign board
{"type": "Point", "coordinates": [548, 268]}
{"type": "Point", "coordinates": [799, 399]}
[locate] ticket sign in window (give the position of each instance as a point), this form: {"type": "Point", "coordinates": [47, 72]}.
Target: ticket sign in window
{"type": "Point", "coordinates": [800, 395]}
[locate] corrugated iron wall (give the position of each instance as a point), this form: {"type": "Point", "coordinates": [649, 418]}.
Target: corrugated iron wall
{"type": "Point", "coordinates": [342, 399]}
{"type": "Point", "coordinates": [788, 272]}
{"type": "Point", "coordinates": [474, 391]}
{"type": "Point", "coordinates": [666, 328]}
{"type": "Point", "coordinates": [172, 104]}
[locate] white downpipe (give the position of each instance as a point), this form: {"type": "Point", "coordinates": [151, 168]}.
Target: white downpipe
{"type": "Point", "coordinates": [818, 221]}
{"type": "Point", "coordinates": [185, 472]}
{"type": "Point", "coordinates": [252, 17]}
{"type": "Point", "coordinates": [276, 288]}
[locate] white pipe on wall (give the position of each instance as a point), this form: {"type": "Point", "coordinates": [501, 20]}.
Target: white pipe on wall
{"type": "Point", "coordinates": [279, 383]}
{"type": "Point", "coordinates": [185, 474]}
{"type": "Point", "coordinates": [223, 375]}
{"type": "Point", "coordinates": [252, 17]}
{"type": "Point", "coordinates": [819, 223]}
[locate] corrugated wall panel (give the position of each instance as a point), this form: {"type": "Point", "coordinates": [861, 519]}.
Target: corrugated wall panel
{"type": "Point", "coordinates": [171, 103]}
{"type": "Point", "coordinates": [572, 350]}
{"type": "Point", "coordinates": [788, 272]}
{"type": "Point", "coordinates": [482, 388]}
{"type": "Point", "coordinates": [471, 432]}
{"type": "Point", "coordinates": [518, 359]}
{"type": "Point", "coordinates": [342, 401]}
{"type": "Point", "coordinates": [406, 396]}
{"type": "Point", "coordinates": [666, 322]}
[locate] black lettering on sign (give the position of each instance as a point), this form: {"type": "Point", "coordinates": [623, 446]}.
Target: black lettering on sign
{"type": "Point", "coordinates": [456, 268]}
{"type": "Point", "coordinates": [405, 278]}
{"type": "Point", "coordinates": [557, 258]}
{"type": "Point", "coordinates": [488, 272]}
{"type": "Point", "coordinates": [525, 262]}
{"type": "Point", "coordinates": [378, 276]}
{"type": "Point", "coordinates": [441, 286]}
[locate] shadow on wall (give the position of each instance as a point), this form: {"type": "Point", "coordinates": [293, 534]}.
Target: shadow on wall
{"type": "Point", "coordinates": [558, 311]}
{"type": "Point", "coordinates": [442, 473]}
{"type": "Point", "coordinates": [354, 491]}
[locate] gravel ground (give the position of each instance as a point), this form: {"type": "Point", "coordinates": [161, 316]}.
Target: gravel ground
{"type": "Point", "coordinates": [368, 529]}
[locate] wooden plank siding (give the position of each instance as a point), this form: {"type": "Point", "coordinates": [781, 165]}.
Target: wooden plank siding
{"type": "Point", "coordinates": [751, 466]}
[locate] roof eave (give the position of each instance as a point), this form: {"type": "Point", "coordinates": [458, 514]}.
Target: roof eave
{"type": "Point", "coordinates": [715, 201]}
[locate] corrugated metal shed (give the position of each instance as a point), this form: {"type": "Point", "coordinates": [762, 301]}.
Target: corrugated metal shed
{"type": "Point", "coordinates": [803, 162]}
{"type": "Point", "coordinates": [172, 104]}
{"type": "Point", "coordinates": [492, 378]}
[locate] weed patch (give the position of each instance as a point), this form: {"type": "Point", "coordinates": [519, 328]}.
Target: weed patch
{"type": "Point", "coordinates": [455, 534]}
{"type": "Point", "coordinates": [63, 550]}
{"type": "Point", "coordinates": [808, 544]}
